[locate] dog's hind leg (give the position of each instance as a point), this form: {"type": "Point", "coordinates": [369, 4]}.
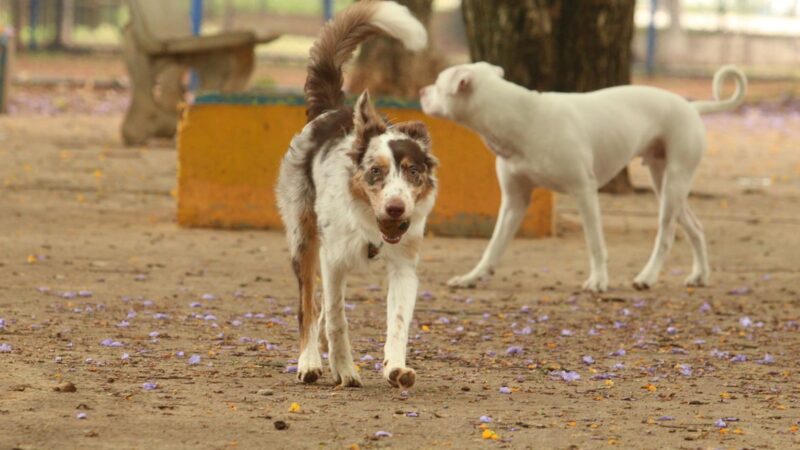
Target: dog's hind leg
{"type": "Point", "coordinates": [305, 261]}
{"type": "Point", "coordinates": [694, 230]}
{"type": "Point", "coordinates": [340, 355]}
{"type": "Point", "coordinates": [674, 192]}
{"type": "Point", "coordinates": [516, 196]}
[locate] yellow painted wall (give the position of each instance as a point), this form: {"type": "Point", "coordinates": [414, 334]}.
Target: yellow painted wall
{"type": "Point", "coordinates": [229, 156]}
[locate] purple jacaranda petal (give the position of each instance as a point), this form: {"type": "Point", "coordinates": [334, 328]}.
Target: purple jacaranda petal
{"type": "Point", "coordinates": [291, 369]}
{"type": "Point", "coordinates": [2, 323]}
{"type": "Point", "coordinates": [69, 295]}
{"type": "Point", "coordinates": [705, 307]}
{"type": "Point", "coordinates": [426, 295]}
{"type": "Point", "coordinates": [378, 366]}
{"type": "Point", "coordinates": [195, 305]}
{"type": "Point", "coordinates": [123, 324]}
{"type": "Point", "coordinates": [58, 359]}
{"type": "Point", "coordinates": [131, 315]}
{"type": "Point", "coordinates": [505, 390]}
{"type": "Point", "coordinates": [84, 294]}
{"type": "Point", "coordinates": [619, 325]}
{"type": "Point", "coordinates": [5, 348]}
{"type": "Point", "coordinates": [412, 414]}
{"type": "Point", "coordinates": [618, 366]}
{"type": "Point", "coordinates": [209, 317]}
{"type": "Point", "coordinates": [672, 330]}
{"type": "Point", "coordinates": [43, 289]}
{"type": "Point", "coordinates": [108, 342]}
{"type": "Point", "coordinates": [179, 354]}
{"type": "Point", "coordinates": [485, 419]}
{"type": "Point", "coordinates": [768, 359]}
{"type": "Point", "coordinates": [208, 297]}
{"type": "Point", "coordinates": [365, 358]}
{"type": "Point", "coordinates": [514, 350]}
{"type": "Point", "coordinates": [719, 423]}
{"type": "Point", "coordinates": [739, 358]}
{"type": "Point", "coordinates": [81, 416]}
{"type": "Point", "coordinates": [491, 353]}
{"type": "Point", "coordinates": [160, 316]}
{"type": "Point", "coordinates": [620, 352]}
{"type": "Point", "coordinates": [568, 376]}
{"type": "Point", "coordinates": [743, 290]}
{"type": "Point", "coordinates": [719, 354]}
{"type": "Point", "coordinates": [588, 360]}
{"type": "Point", "coordinates": [593, 332]}
{"type": "Point", "coordinates": [149, 386]}
{"type": "Point", "coordinates": [193, 360]}
{"type": "Point", "coordinates": [745, 322]}
{"type": "Point", "coordinates": [603, 376]}
{"type": "Point", "coordinates": [566, 332]}
{"type": "Point", "coordinates": [524, 332]}
{"type": "Point", "coordinates": [383, 434]}
{"type": "Point", "coordinates": [125, 357]}
{"type": "Point", "coordinates": [236, 323]}
{"type": "Point", "coordinates": [148, 303]}
{"type": "Point", "coordinates": [525, 309]}
{"type": "Point", "coordinates": [685, 370]}
{"type": "Point", "coordinates": [154, 334]}
{"type": "Point", "coordinates": [665, 418]}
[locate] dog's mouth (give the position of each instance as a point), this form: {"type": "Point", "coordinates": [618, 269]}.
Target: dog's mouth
{"type": "Point", "coordinates": [393, 230]}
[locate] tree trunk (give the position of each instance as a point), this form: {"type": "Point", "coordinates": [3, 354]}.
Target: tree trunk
{"type": "Point", "coordinates": [386, 68]}
{"type": "Point", "coordinates": [555, 45]}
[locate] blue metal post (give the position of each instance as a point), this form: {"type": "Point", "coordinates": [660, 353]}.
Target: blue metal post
{"type": "Point", "coordinates": [327, 9]}
{"type": "Point", "coordinates": [651, 39]}
{"type": "Point", "coordinates": [33, 12]}
{"type": "Point", "coordinates": [197, 24]}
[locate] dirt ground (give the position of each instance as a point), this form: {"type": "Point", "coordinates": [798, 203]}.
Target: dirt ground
{"type": "Point", "coordinates": [101, 289]}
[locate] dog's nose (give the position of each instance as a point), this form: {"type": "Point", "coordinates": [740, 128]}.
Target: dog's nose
{"type": "Point", "coordinates": [395, 208]}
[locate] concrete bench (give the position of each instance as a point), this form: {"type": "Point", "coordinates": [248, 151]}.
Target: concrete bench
{"type": "Point", "coordinates": [159, 47]}
{"type": "Point", "coordinates": [230, 147]}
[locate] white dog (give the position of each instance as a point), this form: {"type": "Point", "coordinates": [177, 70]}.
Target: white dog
{"type": "Point", "coordinates": [575, 143]}
{"type": "Point", "coordinates": [349, 183]}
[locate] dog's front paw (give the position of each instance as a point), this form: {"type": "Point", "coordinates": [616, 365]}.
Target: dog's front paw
{"type": "Point", "coordinates": [596, 283]}
{"type": "Point", "coordinates": [696, 280]}
{"type": "Point", "coordinates": [644, 282]}
{"type": "Point", "coordinates": [347, 378]}
{"type": "Point", "coordinates": [400, 377]}
{"type": "Point", "coordinates": [309, 366]}
{"type": "Point", "coordinates": [464, 281]}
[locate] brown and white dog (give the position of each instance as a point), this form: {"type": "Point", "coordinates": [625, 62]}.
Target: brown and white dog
{"type": "Point", "coordinates": [350, 183]}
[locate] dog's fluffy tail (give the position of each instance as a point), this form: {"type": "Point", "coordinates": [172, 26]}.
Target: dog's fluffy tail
{"type": "Point", "coordinates": [734, 101]}
{"type": "Point", "coordinates": [339, 39]}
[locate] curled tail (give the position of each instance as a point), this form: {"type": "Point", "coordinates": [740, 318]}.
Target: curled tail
{"type": "Point", "coordinates": [717, 105]}
{"type": "Point", "coordinates": [339, 39]}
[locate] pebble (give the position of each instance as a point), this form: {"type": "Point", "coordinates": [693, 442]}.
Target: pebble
{"type": "Point", "coordinates": [265, 392]}
{"type": "Point", "coordinates": [65, 387]}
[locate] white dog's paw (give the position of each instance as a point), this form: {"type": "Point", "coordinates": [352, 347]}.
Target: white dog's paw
{"type": "Point", "coordinates": [644, 281]}
{"type": "Point", "coordinates": [596, 283]}
{"type": "Point", "coordinates": [346, 376]}
{"type": "Point", "coordinates": [400, 377]}
{"type": "Point", "coordinates": [464, 281]}
{"type": "Point", "coordinates": [309, 366]}
{"type": "Point", "coordinates": [698, 279]}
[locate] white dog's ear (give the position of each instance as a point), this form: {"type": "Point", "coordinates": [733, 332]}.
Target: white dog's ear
{"type": "Point", "coordinates": [462, 82]}
{"type": "Point", "coordinates": [499, 70]}
{"type": "Point", "coordinates": [368, 124]}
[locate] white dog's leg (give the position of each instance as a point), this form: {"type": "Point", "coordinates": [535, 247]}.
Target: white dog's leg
{"type": "Point", "coordinates": [694, 230]}
{"type": "Point", "coordinates": [340, 356]}
{"type": "Point", "coordinates": [399, 313]}
{"type": "Point", "coordinates": [589, 208]}
{"type": "Point", "coordinates": [516, 196]}
{"type": "Point", "coordinates": [700, 270]}
{"type": "Point", "coordinates": [675, 189]}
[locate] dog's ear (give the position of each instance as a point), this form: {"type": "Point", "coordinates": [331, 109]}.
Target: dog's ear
{"type": "Point", "coordinates": [499, 71]}
{"type": "Point", "coordinates": [368, 124]}
{"type": "Point", "coordinates": [461, 82]}
{"type": "Point", "coordinates": [416, 130]}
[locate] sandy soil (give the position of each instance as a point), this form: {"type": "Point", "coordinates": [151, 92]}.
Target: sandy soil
{"type": "Point", "coordinates": [101, 289]}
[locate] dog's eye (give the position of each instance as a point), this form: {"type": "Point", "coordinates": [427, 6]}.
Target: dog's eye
{"type": "Point", "coordinates": [413, 171]}
{"type": "Point", "coordinates": [375, 172]}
